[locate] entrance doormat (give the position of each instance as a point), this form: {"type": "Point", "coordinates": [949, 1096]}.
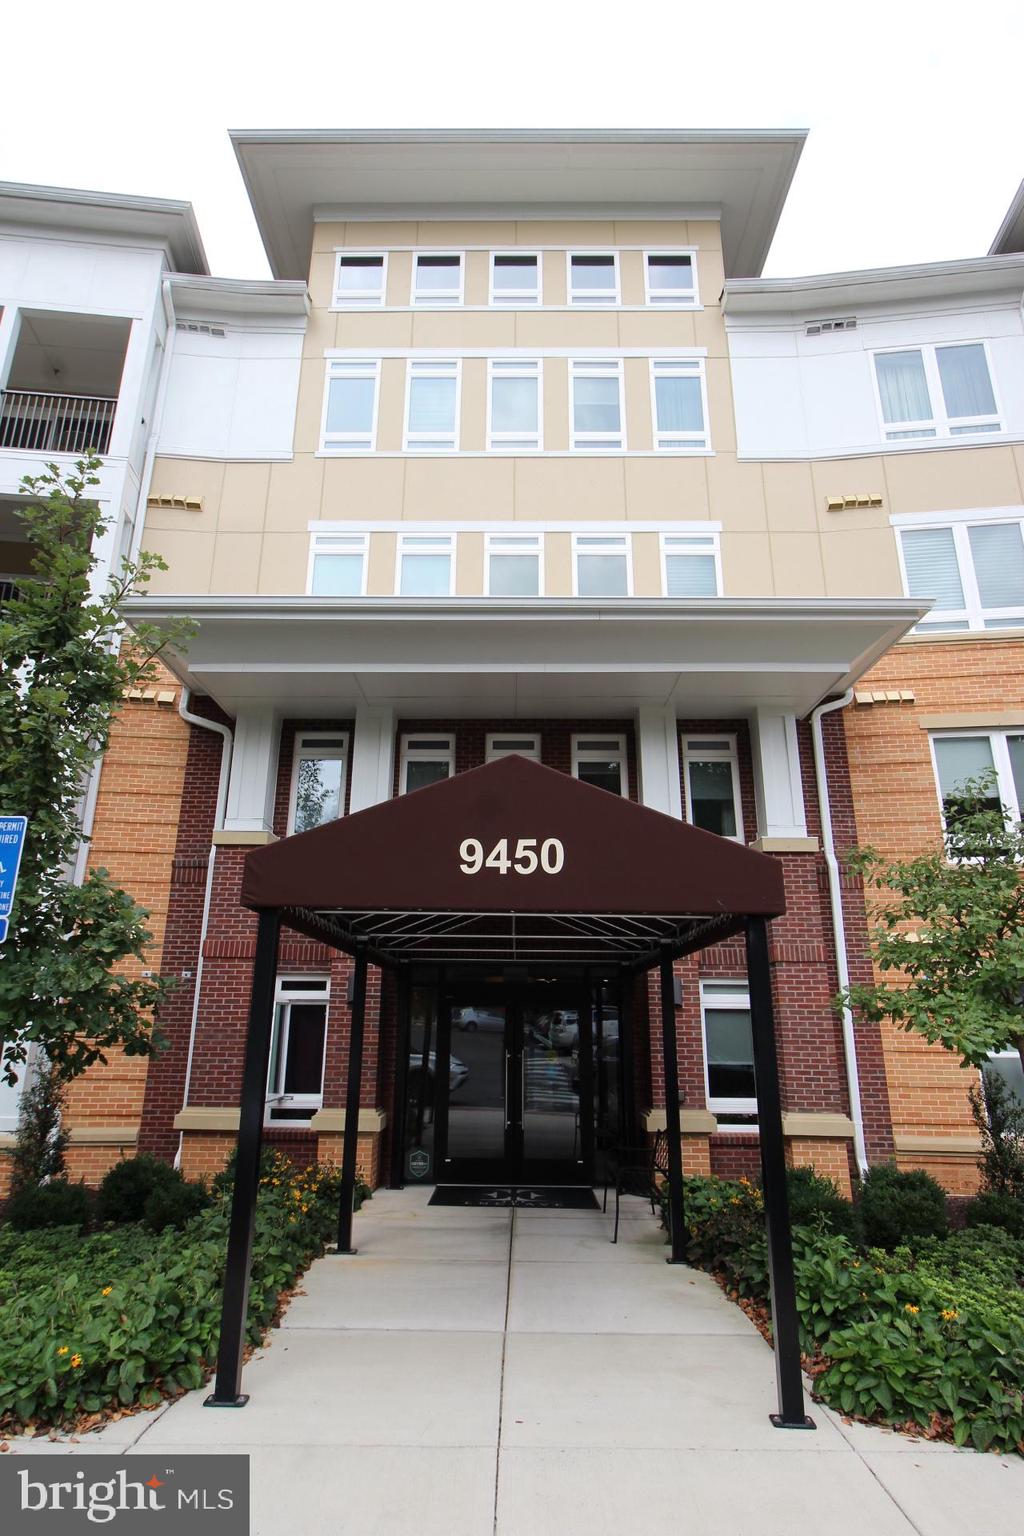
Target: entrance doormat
{"type": "Point", "coordinates": [528, 1197]}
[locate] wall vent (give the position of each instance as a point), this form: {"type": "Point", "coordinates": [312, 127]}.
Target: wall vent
{"type": "Point", "coordinates": [824, 327]}
{"type": "Point", "coordinates": [197, 328]}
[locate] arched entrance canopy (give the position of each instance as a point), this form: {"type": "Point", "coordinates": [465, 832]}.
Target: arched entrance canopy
{"type": "Point", "coordinates": [513, 862]}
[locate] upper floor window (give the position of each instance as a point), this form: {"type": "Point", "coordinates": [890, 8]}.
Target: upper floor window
{"type": "Point", "coordinates": [425, 565]}
{"type": "Point", "coordinates": [437, 279]}
{"type": "Point", "coordinates": [601, 760]}
{"type": "Point", "coordinates": [597, 409]}
{"type": "Point", "coordinates": [319, 773]}
{"type": "Point", "coordinates": [514, 565]}
{"type": "Point", "coordinates": [360, 280]}
{"type": "Point", "coordinates": [432, 406]}
{"type": "Point", "coordinates": [350, 410]}
{"type": "Point", "coordinates": [974, 571]}
{"type": "Point", "coordinates": [965, 756]}
{"type": "Point", "coordinates": [678, 401]}
{"type": "Point", "coordinates": [425, 760]}
{"type": "Point", "coordinates": [691, 565]}
{"type": "Point", "coordinates": [514, 411]}
{"type": "Point", "coordinates": [593, 278]}
{"type": "Point", "coordinates": [295, 1080]}
{"type": "Point", "coordinates": [711, 776]}
{"type": "Point", "coordinates": [601, 565]}
{"type": "Point", "coordinates": [729, 1053]}
{"type": "Point", "coordinates": [669, 277]}
{"type": "Point", "coordinates": [936, 391]}
{"type": "Point", "coordinates": [505, 746]}
{"type": "Point", "coordinates": [337, 565]}
{"type": "Point", "coordinates": [515, 278]}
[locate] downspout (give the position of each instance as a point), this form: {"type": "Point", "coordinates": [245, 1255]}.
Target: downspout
{"type": "Point", "coordinates": [839, 923]}
{"type": "Point", "coordinates": [224, 732]}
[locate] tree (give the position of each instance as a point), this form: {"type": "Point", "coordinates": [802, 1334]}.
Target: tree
{"type": "Point", "coordinates": [951, 934]}
{"type": "Point", "coordinates": [63, 675]}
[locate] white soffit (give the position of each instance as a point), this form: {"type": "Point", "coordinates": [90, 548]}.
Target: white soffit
{"type": "Point", "coordinates": [1010, 234]}
{"type": "Point", "coordinates": [976, 276]}
{"type": "Point", "coordinates": [111, 214]}
{"type": "Point", "coordinates": [296, 175]}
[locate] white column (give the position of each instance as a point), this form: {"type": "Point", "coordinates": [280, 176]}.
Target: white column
{"type": "Point", "coordinates": [253, 780]}
{"type": "Point", "coordinates": [657, 754]}
{"type": "Point", "coordinates": [130, 390]}
{"type": "Point", "coordinates": [10, 330]}
{"type": "Point", "coordinates": [373, 757]}
{"type": "Point", "coordinates": [778, 788]}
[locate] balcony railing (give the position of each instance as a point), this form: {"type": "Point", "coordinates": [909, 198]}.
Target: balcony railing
{"type": "Point", "coordinates": [8, 589]}
{"type": "Point", "coordinates": [42, 423]}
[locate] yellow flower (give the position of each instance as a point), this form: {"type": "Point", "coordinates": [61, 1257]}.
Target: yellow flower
{"type": "Point", "coordinates": [296, 1194]}
{"type": "Point", "coordinates": [305, 1208]}
{"type": "Point", "coordinates": [911, 1309]}
{"type": "Point", "coordinates": [106, 1290]}
{"type": "Point", "coordinates": [735, 1200]}
{"type": "Point", "coordinates": [856, 1263]}
{"type": "Point", "coordinates": [76, 1361]}
{"type": "Point", "coordinates": [63, 1350]}
{"type": "Point", "coordinates": [950, 1314]}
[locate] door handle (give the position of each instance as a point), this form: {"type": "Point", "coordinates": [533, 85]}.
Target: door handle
{"type": "Point", "coordinates": [508, 1107]}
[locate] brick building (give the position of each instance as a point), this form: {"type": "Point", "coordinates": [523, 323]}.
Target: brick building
{"type": "Point", "coordinates": [516, 453]}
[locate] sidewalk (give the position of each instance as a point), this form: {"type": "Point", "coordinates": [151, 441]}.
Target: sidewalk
{"type": "Point", "coordinates": [479, 1371]}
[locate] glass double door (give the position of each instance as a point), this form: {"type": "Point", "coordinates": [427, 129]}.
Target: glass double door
{"type": "Point", "coordinates": [518, 1084]}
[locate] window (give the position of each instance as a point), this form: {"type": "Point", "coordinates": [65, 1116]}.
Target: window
{"type": "Point", "coordinates": [1007, 1065]}
{"type": "Point", "coordinates": [974, 571]}
{"type": "Point", "coordinates": [601, 760]}
{"type": "Point", "coordinates": [678, 404]}
{"type": "Point", "coordinates": [600, 565]}
{"type": "Point", "coordinates": [729, 1053]}
{"type": "Point", "coordinates": [936, 392]}
{"type": "Point", "coordinates": [593, 279]}
{"type": "Point", "coordinates": [337, 565]}
{"type": "Point", "coordinates": [597, 413]}
{"type": "Point", "coordinates": [350, 411]}
{"type": "Point", "coordinates": [961, 757]}
{"type": "Point", "coordinates": [296, 1079]}
{"type": "Point", "coordinates": [691, 565]}
{"type": "Point", "coordinates": [437, 279]}
{"type": "Point", "coordinates": [669, 278]}
{"type": "Point", "coordinates": [360, 281]}
{"type": "Point", "coordinates": [425, 760]}
{"type": "Point", "coordinates": [504, 746]}
{"type": "Point", "coordinates": [425, 565]}
{"type": "Point", "coordinates": [432, 406]}
{"type": "Point", "coordinates": [513, 404]}
{"type": "Point", "coordinates": [514, 565]}
{"type": "Point", "coordinates": [319, 772]}
{"type": "Point", "coordinates": [711, 774]}
{"type": "Point", "coordinates": [515, 278]}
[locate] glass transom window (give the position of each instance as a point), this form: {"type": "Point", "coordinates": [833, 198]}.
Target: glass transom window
{"type": "Point", "coordinates": [936, 392]}
{"type": "Point", "coordinates": [506, 746]}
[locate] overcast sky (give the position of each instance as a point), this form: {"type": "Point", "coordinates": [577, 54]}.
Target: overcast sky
{"type": "Point", "coordinates": [916, 143]}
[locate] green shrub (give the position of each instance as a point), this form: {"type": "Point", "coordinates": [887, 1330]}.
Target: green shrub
{"type": "Point", "coordinates": [816, 1202]}
{"type": "Point", "coordinates": [174, 1205]}
{"type": "Point", "coordinates": [59, 1204]}
{"type": "Point", "coordinates": [127, 1186]}
{"type": "Point", "coordinates": [898, 1207]}
{"type": "Point", "coordinates": [991, 1209]}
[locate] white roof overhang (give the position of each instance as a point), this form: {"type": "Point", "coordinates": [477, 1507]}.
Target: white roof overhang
{"type": "Point", "coordinates": [540, 657]}
{"type": "Point", "coordinates": [110, 214]}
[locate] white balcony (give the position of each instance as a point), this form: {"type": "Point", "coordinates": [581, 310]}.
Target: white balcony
{"type": "Point", "coordinates": [48, 423]}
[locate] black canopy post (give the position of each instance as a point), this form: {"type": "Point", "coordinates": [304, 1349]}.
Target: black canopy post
{"type": "Point", "coordinates": [396, 1175]}
{"type": "Point", "coordinates": [350, 1142]}
{"type": "Point", "coordinates": [673, 1126]}
{"type": "Point", "coordinates": [785, 1326]}
{"type": "Point", "coordinates": [226, 1393]}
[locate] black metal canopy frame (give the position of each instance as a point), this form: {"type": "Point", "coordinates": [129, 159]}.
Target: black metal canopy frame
{"type": "Point", "coordinates": [607, 904]}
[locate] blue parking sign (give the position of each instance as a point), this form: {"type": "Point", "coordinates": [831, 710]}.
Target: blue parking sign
{"type": "Point", "coordinates": [12, 841]}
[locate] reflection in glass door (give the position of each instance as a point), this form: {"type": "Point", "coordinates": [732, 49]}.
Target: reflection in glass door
{"type": "Point", "coordinates": [478, 1087]}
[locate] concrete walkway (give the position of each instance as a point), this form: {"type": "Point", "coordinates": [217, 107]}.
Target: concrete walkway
{"type": "Point", "coordinates": [474, 1372]}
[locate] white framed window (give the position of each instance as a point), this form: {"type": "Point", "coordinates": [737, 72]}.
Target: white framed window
{"type": "Point", "coordinates": [514, 565]}
{"type": "Point", "coordinates": [437, 278]}
{"type": "Point", "coordinates": [973, 570]}
{"type": "Point", "coordinates": [1007, 1065]}
{"type": "Point", "coordinates": [940, 391]}
{"type": "Point", "coordinates": [425, 759]}
{"type": "Point", "coordinates": [432, 405]}
{"type": "Point", "coordinates": [679, 404]}
{"type": "Point", "coordinates": [601, 565]}
{"type": "Point", "coordinates": [295, 1082]}
{"type": "Point", "coordinates": [601, 760]}
{"type": "Point", "coordinates": [691, 565]}
{"type": "Point", "coordinates": [499, 745]}
{"type": "Point", "coordinates": [360, 279]}
{"type": "Point", "coordinates": [515, 278]}
{"type": "Point", "coordinates": [350, 405]}
{"type": "Point", "coordinates": [729, 1054]}
{"type": "Point", "coordinates": [596, 406]}
{"type": "Point", "coordinates": [337, 565]}
{"type": "Point", "coordinates": [959, 756]}
{"type": "Point", "coordinates": [670, 277]}
{"type": "Point", "coordinates": [514, 405]}
{"type": "Point", "coordinates": [711, 778]}
{"type": "Point", "coordinates": [592, 277]}
{"type": "Point", "coordinates": [426, 567]}
{"type": "Point", "coordinates": [319, 779]}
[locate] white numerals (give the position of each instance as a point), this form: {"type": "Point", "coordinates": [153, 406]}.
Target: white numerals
{"type": "Point", "coordinates": [527, 859]}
